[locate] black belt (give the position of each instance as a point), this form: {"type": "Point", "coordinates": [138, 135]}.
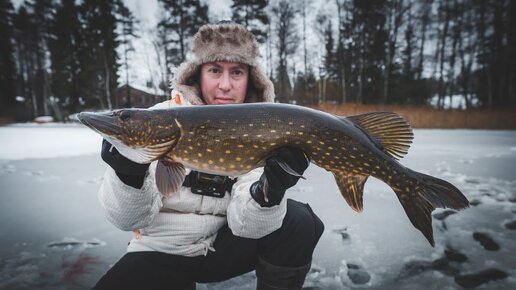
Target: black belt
{"type": "Point", "coordinates": [208, 184]}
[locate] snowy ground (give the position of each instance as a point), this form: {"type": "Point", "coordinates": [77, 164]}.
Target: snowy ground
{"type": "Point", "coordinates": [54, 236]}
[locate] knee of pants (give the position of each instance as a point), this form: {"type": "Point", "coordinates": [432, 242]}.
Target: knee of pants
{"type": "Point", "coordinates": [301, 223]}
{"type": "Point", "coordinates": [293, 244]}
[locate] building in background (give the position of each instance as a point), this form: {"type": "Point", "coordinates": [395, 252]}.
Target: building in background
{"type": "Point", "coordinates": [140, 96]}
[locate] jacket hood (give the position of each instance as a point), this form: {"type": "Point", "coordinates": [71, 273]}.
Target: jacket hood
{"type": "Point", "coordinates": [223, 42]}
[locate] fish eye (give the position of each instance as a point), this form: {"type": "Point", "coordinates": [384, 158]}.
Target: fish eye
{"type": "Point", "coordinates": [124, 115]}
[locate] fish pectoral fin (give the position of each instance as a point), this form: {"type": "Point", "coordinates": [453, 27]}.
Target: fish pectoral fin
{"type": "Point", "coordinates": [352, 189]}
{"type": "Point", "coordinates": [141, 155]}
{"type": "Point", "coordinates": [390, 131]}
{"type": "Point", "coordinates": [169, 177]}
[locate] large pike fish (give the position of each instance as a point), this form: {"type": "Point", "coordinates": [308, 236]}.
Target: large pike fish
{"type": "Point", "coordinates": [234, 139]}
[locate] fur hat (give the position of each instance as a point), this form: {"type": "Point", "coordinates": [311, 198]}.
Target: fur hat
{"type": "Point", "coordinates": [224, 41]}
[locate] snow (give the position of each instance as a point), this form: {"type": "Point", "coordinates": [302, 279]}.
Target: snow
{"type": "Point", "coordinates": [55, 236]}
{"type": "Point", "coordinates": [26, 140]}
{"type": "Point", "coordinates": [454, 102]}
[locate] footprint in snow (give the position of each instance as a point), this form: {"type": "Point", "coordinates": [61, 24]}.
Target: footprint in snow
{"type": "Point", "coordinates": [510, 225]}
{"type": "Point", "coordinates": [7, 168]}
{"type": "Point", "coordinates": [486, 241]}
{"type": "Point", "coordinates": [343, 233]}
{"type": "Point", "coordinates": [357, 274]}
{"type": "Point", "coordinates": [417, 267]}
{"type": "Point", "coordinates": [442, 215]}
{"type": "Point", "coordinates": [479, 278]}
{"type": "Point", "coordinates": [446, 264]}
{"type": "Point", "coordinates": [72, 244]}
{"type": "Point", "coordinates": [455, 256]}
{"type": "Point", "coordinates": [474, 202]}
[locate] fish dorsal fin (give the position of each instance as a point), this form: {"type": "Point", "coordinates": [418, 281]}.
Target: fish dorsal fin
{"type": "Point", "coordinates": [390, 130]}
{"type": "Point", "coordinates": [352, 189]}
{"type": "Point", "coordinates": [169, 177]}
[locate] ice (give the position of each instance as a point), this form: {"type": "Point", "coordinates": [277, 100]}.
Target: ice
{"type": "Point", "coordinates": [55, 236]}
{"type": "Point", "coordinates": [22, 141]}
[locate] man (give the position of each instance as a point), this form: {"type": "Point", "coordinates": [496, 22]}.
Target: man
{"type": "Point", "coordinates": [214, 228]}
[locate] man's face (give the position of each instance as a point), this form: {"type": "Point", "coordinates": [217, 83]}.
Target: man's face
{"type": "Point", "coordinates": [224, 82]}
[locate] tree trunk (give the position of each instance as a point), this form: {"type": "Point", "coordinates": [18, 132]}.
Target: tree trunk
{"type": "Point", "coordinates": [107, 80]}
{"type": "Point", "coordinates": [511, 55]}
{"type": "Point", "coordinates": [457, 31]}
{"type": "Point", "coordinates": [425, 19]}
{"type": "Point", "coordinates": [444, 36]}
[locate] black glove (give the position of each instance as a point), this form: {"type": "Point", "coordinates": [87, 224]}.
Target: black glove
{"type": "Point", "coordinates": [131, 173]}
{"type": "Point", "coordinates": [275, 180]}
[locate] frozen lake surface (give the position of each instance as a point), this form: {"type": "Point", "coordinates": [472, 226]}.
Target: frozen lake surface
{"type": "Point", "coordinates": [54, 235]}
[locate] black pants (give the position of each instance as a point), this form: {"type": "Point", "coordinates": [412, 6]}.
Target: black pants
{"type": "Point", "coordinates": [290, 246]}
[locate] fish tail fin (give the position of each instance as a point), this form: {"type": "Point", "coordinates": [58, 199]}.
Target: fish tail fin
{"type": "Point", "coordinates": [429, 193]}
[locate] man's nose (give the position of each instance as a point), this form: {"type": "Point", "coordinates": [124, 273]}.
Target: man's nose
{"type": "Point", "coordinates": [224, 83]}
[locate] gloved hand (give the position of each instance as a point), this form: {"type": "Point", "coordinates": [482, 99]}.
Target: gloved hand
{"type": "Point", "coordinates": [131, 173]}
{"type": "Point", "coordinates": [275, 180]}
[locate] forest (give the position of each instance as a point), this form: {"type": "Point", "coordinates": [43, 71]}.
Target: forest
{"type": "Point", "coordinates": [65, 56]}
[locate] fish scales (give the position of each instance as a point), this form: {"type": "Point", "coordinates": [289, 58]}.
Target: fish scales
{"type": "Point", "coordinates": [229, 143]}
{"type": "Point", "coordinates": [234, 139]}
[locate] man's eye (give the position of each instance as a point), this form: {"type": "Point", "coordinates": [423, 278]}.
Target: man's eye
{"type": "Point", "coordinates": [237, 72]}
{"type": "Point", "coordinates": [214, 70]}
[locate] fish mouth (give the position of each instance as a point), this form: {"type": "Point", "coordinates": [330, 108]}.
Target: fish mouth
{"type": "Point", "coordinates": [103, 123]}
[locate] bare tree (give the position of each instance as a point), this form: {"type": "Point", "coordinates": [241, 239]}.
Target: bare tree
{"type": "Point", "coordinates": [287, 41]}
{"type": "Point", "coordinates": [467, 48]}
{"type": "Point", "coordinates": [425, 12]}
{"type": "Point", "coordinates": [324, 30]}
{"type": "Point", "coordinates": [128, 23]}
{"type": "Point", "coordinates": [445, 18]}
{"type": "Point", "coordinates": [394, 20]}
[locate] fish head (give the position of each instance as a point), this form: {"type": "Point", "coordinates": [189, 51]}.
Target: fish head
{"type": "Point", "coordinates": [141, 135]}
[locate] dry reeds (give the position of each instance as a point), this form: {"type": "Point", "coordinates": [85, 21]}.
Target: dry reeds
{"type": "Point", "coordinates": [427, 117]}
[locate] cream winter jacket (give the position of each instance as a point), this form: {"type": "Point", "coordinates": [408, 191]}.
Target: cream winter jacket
{"type": "Point", "coordinates": [185, 224]}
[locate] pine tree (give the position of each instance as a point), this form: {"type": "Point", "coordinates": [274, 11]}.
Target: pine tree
{"type": "Point", "coordinates": [425, 19]}
{"type": "Point", "coordinates": [32, 28]}
{"type": "Point", "coordinates": [328, 59]}
{"type": "Point", "coordinates": [329, 56]}
{"type": "Point", "coordinates": [341, 61]}
{"type": "Point", "coordinates": [181, 20]}
{"type": "Point", "coordinates": [43, 11]}
{"type": "Point", "coordinates": [98, 56]}
{"type": "Point", "coordinates": [287, 41]}
{"type": "Point", "coordinates": [128, 34]}
{"type": "Point", "coordinates": [7, 65]}
{"type": "Point", "coordinates": [24, 41]}
{"type": "Point", "coordinates": [64, 48]}
{"type": "Point", "coordinates": [251, 14]}
{"type": "Point", "coordinates": [324, 33]}
{"type": "Point", "coordinates": [511, 54]}
{"type": "Point", "coordinates": [369, 21]}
